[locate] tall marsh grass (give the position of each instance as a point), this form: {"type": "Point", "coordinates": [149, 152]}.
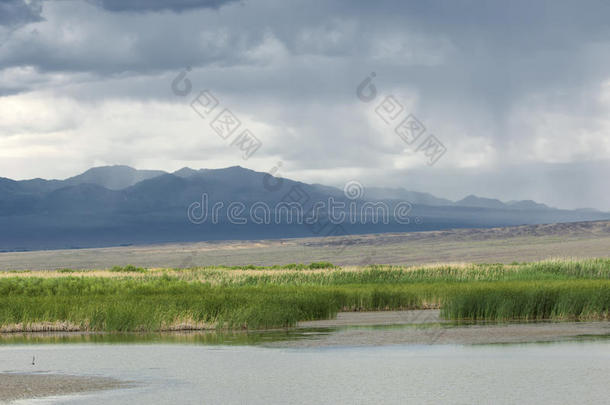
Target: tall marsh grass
{"type": "Point", "coordinates": [260, 298]}
{"type": "Point", "coordinates": [105, 304]}
{"type": "Point", "coordinates": [581, 300]}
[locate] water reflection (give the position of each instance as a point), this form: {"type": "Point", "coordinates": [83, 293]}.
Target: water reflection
{"type": "Point", "coordinates": [369, 335]}
{"type": "Point", "coordinates": [229, 338]}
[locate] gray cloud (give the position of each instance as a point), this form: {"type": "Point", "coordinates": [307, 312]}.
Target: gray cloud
{"type": "Point", "coordinates": [156, 5]}
{"type": "Point", "coordinates": [18, 12]}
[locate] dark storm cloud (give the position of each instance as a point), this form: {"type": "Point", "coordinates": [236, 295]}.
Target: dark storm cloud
{"type": "Point", "coordinates": [490, 53]}
{"type": "Point", "coordinates": [157, 5]}
{"type": "Point", "coordinates": [484, 38]}
{"type": "Point", "coordinates": [17, 12]}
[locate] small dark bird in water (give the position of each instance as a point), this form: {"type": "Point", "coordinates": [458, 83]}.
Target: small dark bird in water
{"type": "Point", "coordinates": [33, 360]}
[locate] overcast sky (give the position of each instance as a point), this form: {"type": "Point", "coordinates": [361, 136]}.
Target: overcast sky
{"type": "Point", "coordinates": [518, 92]}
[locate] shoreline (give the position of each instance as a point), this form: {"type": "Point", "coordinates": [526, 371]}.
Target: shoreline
{"type": "Point", "coordinates": [23, 386]}
{"type": "Point", "coordinates": [343, 319]}
{"type": "Point", "coordinates": [383, 328]}
{"type": "Point", "coordinates": [347, 318]}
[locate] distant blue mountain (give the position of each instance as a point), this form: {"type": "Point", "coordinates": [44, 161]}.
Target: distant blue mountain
{"type": "Point", "coordinates": [116, 205]}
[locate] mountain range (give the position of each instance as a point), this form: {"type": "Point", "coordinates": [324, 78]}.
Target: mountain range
{"type": "Point", "coordinates": [120, 205]}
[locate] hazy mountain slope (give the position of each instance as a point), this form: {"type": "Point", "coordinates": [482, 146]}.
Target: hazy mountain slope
{"type": "Point", "coordinates": [380, 193]}
{"type": "Point", "coordinates": [79, 212]}
{"type": "Point", "coordinates": [474, 201]}
{"type": "Point", "coordinates": [113, 177]}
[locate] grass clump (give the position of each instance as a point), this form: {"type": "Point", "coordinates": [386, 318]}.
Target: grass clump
{"type": "Point", "coordinates": [127, 269]}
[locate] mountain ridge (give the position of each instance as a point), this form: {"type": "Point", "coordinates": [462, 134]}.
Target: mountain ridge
{"type": "Point", "coordinates": [120, 177]}
{"type": "Point", "coordinates": [156, 206]}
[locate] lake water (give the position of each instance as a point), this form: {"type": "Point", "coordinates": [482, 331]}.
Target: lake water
{"type": "Point", "coordinates": [196, 372]}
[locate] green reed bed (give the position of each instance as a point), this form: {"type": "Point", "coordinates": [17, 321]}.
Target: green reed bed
{"type": "Point", "coordinates": [162, 302]}
{"type": "Point", "coordinates": [559, 300]}
{"type": "Point", "coordinates": [103, 304]}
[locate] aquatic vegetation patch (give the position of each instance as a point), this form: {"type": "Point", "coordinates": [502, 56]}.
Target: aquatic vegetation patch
{"type": "Point", "coordinates": [263, 298]}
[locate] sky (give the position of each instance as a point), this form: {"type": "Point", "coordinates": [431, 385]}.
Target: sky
{"type": "Point", "coordinates": [516, 93]}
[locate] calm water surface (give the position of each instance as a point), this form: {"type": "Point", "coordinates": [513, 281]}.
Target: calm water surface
{"type": "Point", "coordinates": [226, 370]}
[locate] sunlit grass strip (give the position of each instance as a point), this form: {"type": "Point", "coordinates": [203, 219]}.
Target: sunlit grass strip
{"type": "Point", "coordinates": [327, 274]}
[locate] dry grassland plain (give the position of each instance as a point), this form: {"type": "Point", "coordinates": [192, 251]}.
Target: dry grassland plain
{"type": "Point", "coordinates": [495, 245]}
